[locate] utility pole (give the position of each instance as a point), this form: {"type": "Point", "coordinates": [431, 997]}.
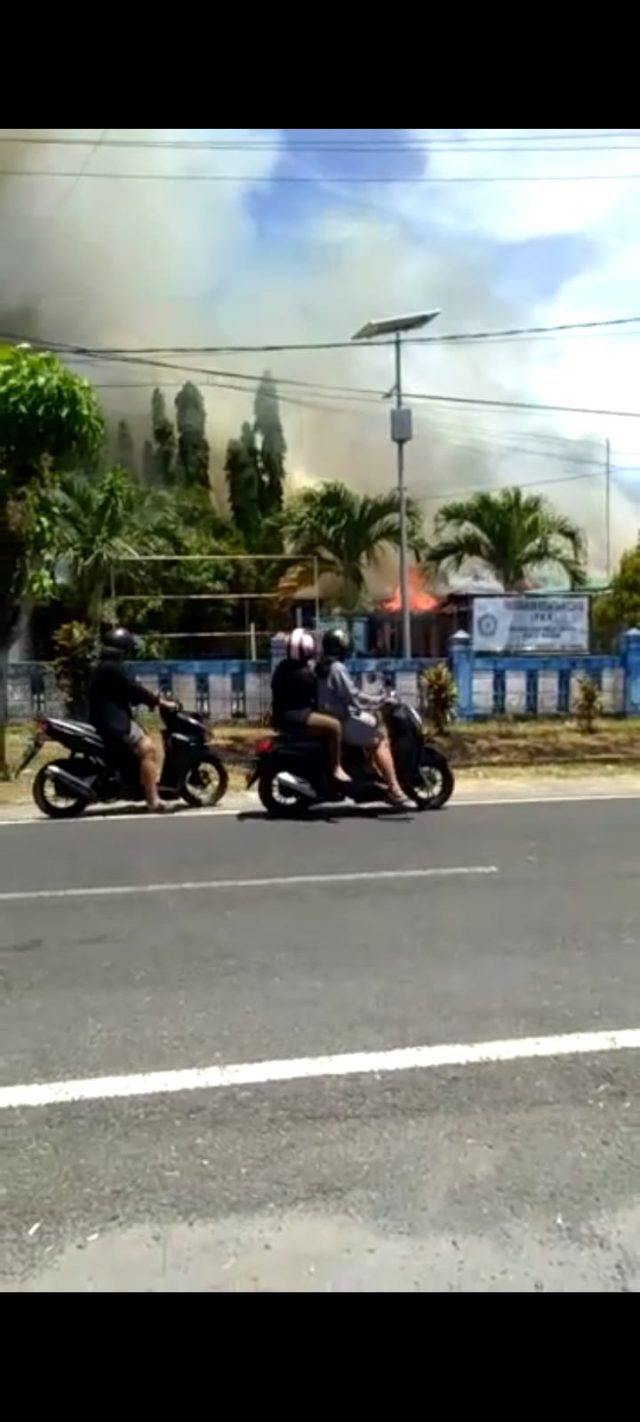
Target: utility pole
{"type": "Point", "coordinates": [401, 433]}
{"type": "Point", "coordinates": [402, 501]}
{"type": "Point", "coordinates": [607, 506]}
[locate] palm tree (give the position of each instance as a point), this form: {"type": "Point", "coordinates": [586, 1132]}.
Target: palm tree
{"type": "Point", "coordinates": [510, 533]}
{"type": "Point", "coordinates": [97, 522]}
{"type": "Point", "coordinates": [347, 532]}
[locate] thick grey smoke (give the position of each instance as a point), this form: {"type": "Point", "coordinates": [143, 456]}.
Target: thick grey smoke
{"type": "Point", "coordinates": [98, 261]}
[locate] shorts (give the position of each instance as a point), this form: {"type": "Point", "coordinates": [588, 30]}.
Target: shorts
{"type": "Point", "coordinates": [133, 737]}
{"type": "Point", "coordinates": [295, 718]}
{"type": "Point", "coordinates": [362, 730]}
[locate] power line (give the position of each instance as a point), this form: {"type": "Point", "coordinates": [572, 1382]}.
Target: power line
{"type": "Point", "coordinates": [533, 406]}
{"type": "Point", "coordinates": [489, 488]}
{"type": "Point", "coordinates": [272, 348]}
{"type": "Point", "coordinates": [94, 148]}
{"type": "Point", "coordinates": [486, 444]}
{"type": "Point", "coordinates": [436, 141]}
{"type": "Point", "coordinates": [458, 400]}
{"type": "Point", "coordinates": [334, 178]}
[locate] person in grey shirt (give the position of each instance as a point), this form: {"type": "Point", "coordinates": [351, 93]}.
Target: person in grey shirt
{"type": "Point", "coordinates": [339, 696]}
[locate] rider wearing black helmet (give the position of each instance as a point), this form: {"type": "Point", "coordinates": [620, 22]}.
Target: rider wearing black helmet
{"type": "Point", "coordinates": [113, 693]}
{"type": "Point", "coordinates": [294, 697]}
{"type": "Point", "coordinates": [339, 696]}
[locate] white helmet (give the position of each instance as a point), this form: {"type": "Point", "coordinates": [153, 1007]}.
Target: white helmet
{"type": "Point", "coordinates": [301, 645]}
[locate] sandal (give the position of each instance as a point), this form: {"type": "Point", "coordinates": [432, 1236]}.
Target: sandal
{"type": "Point", "coordinates": [401, 802]}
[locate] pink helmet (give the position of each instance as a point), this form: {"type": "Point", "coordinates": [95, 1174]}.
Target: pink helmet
{"type": "Point", "coordinates": [301, 645]}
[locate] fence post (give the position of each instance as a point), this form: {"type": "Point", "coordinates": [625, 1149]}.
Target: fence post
{"type": "Point", "coordinates": [631, 664]}
{"type": "Point", "coordinates": [461, 660]}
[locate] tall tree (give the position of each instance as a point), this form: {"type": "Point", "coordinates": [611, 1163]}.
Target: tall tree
{"type": "Point", "coordinates": [618, 609]}
{"type": "Point", "coordinates": [510, 533]}
{"type": "Point", "coordinates": [243, 483]}
{"type": "Point", "coordinates": [160, 459]}
{"type": "Point", "coordinates": [149, 466]}
{"type": "Point", "coordinates": [193, 449]}
{"type": "Point", "coordinates": [49, 419]}
{"type": "Point", "coordinates": [273, 449]}
{"type": "Point", "coordinates": [255, 470]}
{"type": "Point", "coordinates": [124, 448]}
{"type": "Point", "coordinates": [347, 532]}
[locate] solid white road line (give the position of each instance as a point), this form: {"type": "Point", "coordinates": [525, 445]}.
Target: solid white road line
{"type": "Point", "coordinates": [160, 1083]}
{"type": "Point", "coordinates": [543, 800]}
{"type": "Point", "coordinates": [280, 882]}
{"type": "Point", "coordinates": [252, 805]}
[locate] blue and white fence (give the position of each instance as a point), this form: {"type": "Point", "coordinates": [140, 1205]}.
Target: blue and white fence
{"type": "Point", "coordinates": [543, 685]}
{"type": "Point", "coordinates": [487, 685]}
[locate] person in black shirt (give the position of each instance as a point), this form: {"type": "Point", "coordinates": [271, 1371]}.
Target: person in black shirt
{"type": "Point", "coordinates": [113, 693]}
{"type": "Point", "coordinates": [294, 698]}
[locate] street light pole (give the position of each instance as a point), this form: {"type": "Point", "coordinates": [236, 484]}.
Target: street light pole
{"type": "Point", "coordinates": [401, 432]}
{"type": "Point", "coordinates": [405, 603]}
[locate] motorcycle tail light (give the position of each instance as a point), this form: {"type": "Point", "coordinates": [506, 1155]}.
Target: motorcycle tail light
{"type": "Point", "coordinates": [263, 746]}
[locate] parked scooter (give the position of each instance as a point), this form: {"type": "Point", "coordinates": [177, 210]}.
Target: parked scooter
{"type": "Point", "coordinates": [292, 772]}
{"type": "Point", "coordinates": [90, 775]}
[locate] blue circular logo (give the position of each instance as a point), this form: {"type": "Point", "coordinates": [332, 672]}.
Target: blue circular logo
{"type": "Point", "coordinates": [487, 624]}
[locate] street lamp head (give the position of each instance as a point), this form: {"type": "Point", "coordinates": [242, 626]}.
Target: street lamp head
{"type": "Point", "coordinates": [395, 325]}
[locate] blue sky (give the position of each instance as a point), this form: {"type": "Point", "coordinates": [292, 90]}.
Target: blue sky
{"type": "Point", "coordinates": [528, 269]}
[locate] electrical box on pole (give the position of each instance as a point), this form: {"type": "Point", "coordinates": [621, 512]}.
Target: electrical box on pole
{"type": "Point", "coordinates": [401, 425]}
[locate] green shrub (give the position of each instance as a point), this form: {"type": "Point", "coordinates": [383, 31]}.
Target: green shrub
{"type": "Point", "coordinates": [440, 696]}
{"type": "Point", "coordinates": [588, 704]}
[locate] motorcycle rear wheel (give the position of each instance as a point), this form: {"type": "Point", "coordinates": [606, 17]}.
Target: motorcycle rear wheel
{"type": "Point", "coordinates": [50, 803]}
{"type": "Point", "coordinates": [205, 784]}
{"type": "Point", "coordinates": [276, 802]}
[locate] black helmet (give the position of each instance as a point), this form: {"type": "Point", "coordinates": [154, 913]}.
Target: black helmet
{"type": "Point", "coordinates": [118, 642]}
{"type": "Point", "coordinates": [335, 643]}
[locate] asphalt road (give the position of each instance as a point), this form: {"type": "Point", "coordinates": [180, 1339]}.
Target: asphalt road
{"type": "Point", "coordinates": [507, 1175]}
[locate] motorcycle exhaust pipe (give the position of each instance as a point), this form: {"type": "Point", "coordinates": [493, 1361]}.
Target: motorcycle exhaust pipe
{"type": "Point", "coordinates": [297, 784]}
{"type": "Point", "coordinates": [63, 780]}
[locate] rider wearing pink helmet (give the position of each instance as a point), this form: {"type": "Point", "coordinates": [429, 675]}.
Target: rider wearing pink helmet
{"type": "Point", "coordinates": [294, 691]}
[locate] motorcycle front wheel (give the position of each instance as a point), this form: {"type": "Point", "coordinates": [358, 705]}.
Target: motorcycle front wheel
{"type": "Point", "coordinates": [52, 802]}
{"type": "Point", "coordinates": [434, 784]}
{"type": "Point", "coordinates": [205, 784]}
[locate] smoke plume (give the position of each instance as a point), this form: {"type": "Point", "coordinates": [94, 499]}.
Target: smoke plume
{"type": "Point", "coordinates": [103, 261]}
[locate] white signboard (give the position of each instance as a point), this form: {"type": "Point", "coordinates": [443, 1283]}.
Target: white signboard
{"type": "Point", "coordinates": [531, 624]}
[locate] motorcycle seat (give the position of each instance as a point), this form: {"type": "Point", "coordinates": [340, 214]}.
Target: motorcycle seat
{"type": "Point", "coordinates": [76, 728]}
{"type": "Point", "coordinates": [295, 740]}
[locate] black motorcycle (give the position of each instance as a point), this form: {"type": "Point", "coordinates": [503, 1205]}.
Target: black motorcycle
{"type": "Point", "coordinates": [90, 775]}
{"type": "Point", "coordinates": [292, 772]}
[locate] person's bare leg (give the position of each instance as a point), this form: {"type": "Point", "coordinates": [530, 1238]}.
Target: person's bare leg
{"type": "Point", "coordinates": [383, 761]}
{"type": "Point", "coordinates": [149, 775]}
{"type": "Point", "coordinates": [330, 727]}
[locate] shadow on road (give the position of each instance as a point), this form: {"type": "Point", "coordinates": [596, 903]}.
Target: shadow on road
{"type": "Point", "coordinates": [324, 815]}
{"type": "Point", "coordinates": [106, 812]}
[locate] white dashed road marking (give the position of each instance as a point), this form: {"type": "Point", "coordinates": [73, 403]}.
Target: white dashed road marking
{"type": "Point", "coordinates": [289, 881]}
